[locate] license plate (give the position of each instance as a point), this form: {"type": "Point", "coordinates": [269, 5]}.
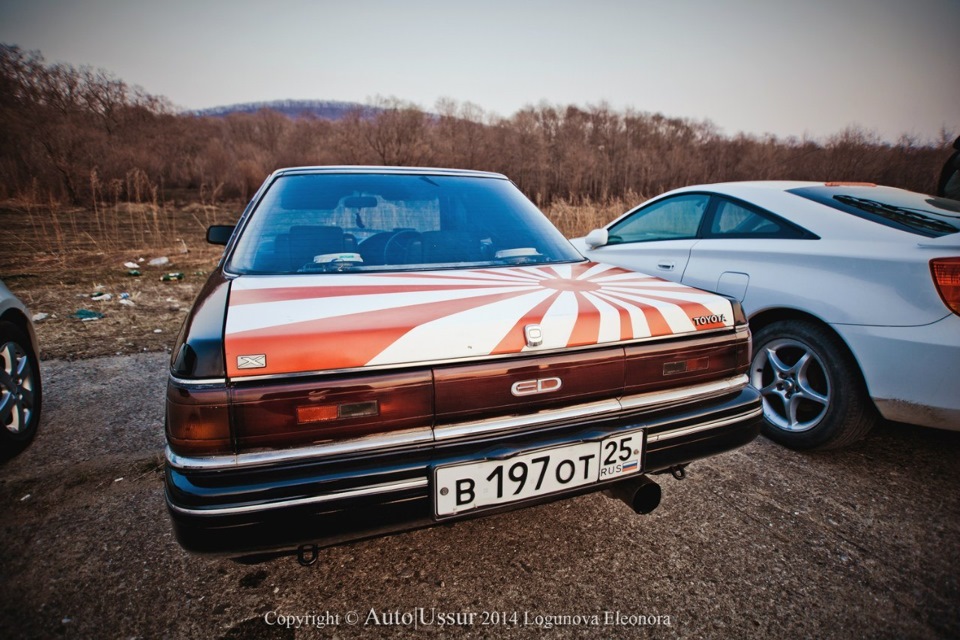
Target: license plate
{"type": "Point", "coordinates": [475, 485]}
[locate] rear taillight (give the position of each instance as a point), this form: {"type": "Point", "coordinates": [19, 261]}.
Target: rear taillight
{"type": "Point", "coordinates": [653, 367]}
{"type": "Point", "coordinates": [198, 419]}
{"type": "Point", "coordinates": [946, 276]}
{"type": "Point", "coordinates": [290, 413]}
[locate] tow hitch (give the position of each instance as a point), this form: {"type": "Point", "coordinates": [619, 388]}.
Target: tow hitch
{"type": "Point", "coordinates": [307, 554]}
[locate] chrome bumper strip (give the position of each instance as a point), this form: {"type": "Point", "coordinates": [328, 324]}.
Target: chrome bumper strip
{"type": "Point", "coordinates": [377, 442]}
{"type": "Point", "coordinates": [716, 424]}
{"type": "Point", "coordinates": [374, 489]}
{"type": "Point", "coordinates": [423, 483]}
{"type": "Point", "coordinates": [656, 399]}
{"type": "Point", "coordinates": [511, 423]}
{"type": "Point", "coordinates": [424, 435]}
{"type": "Point", "coordinates": [651, 400]}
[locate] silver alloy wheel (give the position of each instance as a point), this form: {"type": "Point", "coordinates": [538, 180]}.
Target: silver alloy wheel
{"type": "Point", "coordinates": [16, 388]}
{"type": "Point", "coordinates": [793, 382]}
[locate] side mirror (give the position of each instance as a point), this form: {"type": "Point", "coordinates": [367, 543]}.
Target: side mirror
{"type": "Point", "coordinates": [597, 238]}
{"type": "Point", "coordinates": [220, 233]}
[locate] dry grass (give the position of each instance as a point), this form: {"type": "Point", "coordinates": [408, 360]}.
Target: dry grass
{"type": "Point", "coordinates": [575, 220]}
{"type": "Point", "coordinates": [57, 258]}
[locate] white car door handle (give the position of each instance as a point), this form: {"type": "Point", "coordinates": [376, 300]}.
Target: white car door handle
{"type": "Point", "coordinates": [665, 266]}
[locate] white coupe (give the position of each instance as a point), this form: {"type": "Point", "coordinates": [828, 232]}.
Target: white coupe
{"type": "Point", "coordinates": [852, 291]}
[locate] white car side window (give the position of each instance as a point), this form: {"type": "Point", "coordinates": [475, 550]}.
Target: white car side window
{"type": "Point", "coordinates": [674, 218]}
{"type": "Point", "coordinates": [731, 218]}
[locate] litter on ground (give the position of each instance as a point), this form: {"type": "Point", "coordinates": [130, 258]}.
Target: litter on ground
{"type": "Point", "coordinates": [86, 315]}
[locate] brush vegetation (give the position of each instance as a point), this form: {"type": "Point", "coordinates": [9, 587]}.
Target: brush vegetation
{"type": "Point", "coordinates": [95, 172]}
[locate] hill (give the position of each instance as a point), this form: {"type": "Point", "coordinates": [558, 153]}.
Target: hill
{"type": "Point", "coordinates": [326, 109]}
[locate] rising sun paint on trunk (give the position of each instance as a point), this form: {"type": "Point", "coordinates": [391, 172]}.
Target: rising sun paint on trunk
{"type": "Point", "coordinates": [304, 323]}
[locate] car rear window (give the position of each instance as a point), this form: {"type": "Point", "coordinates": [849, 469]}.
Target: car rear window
{"type": "Point", "coordinates": [315, 223]}
{"type": "Point", "coordinates": [916, 213]}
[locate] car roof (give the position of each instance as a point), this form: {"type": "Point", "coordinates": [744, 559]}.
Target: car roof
{"type": "Point", "coordinates": [381, 170]}
{"type": "Point", "coordinates": [776, 196]}
{"type": "Point", "coordinates": [761, 186]}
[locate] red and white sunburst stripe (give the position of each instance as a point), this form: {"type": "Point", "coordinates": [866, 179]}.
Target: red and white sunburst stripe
{"type": "Point", "coordinates": [337, 321]}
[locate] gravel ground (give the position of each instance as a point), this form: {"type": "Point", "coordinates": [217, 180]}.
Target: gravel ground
{"type": "Point", "coordinates": [760, 542]}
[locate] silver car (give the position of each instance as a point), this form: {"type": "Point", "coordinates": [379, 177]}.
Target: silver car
{"type": "Point", "coordinates": [20, 388]}
{"type": "Point", "coordinates": [852, 291]}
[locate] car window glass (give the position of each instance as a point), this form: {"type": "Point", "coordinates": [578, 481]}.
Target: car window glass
{"type": "Point", "coordinates": [731, 219]}
{"type": "Point", "coordinates": [914, 213]}
{"type": "Point", "coordinates": [673, 218]}
{"type": "Point", "coordinates": [368, 222]}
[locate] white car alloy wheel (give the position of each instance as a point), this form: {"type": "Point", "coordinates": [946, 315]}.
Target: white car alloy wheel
{"type": "Point", "coordinates": [794, 384]}
{"type": "Point", "coordinates": [813, 393]}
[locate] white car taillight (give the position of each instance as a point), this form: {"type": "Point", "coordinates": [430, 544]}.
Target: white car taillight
{"type": "Point", "coordinates": [946, 275]}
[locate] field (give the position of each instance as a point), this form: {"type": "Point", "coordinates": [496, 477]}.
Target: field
{"type": "Point", "coordinates": [59, 259]}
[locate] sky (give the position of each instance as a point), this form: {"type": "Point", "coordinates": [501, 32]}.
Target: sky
{"type": "Point", "coordinates": [790, 68]}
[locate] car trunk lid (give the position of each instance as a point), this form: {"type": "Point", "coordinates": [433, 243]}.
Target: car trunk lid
{"type": "Point", "coordinates": [280, 325]}
{"type": "Point", "coordinates": [322, 359]}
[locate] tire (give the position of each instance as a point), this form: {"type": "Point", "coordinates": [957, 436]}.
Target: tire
{"type": "Point", "coordinates": [20, 390]}
{"type": "Point", "coordinates": [813, 392]}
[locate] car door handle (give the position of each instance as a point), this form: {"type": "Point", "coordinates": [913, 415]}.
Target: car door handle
{"type": "Point", "coordinates": [665, 266]}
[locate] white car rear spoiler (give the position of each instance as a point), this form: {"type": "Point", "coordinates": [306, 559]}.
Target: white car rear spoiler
{"type": "Point", "coordinates": [950, 241]}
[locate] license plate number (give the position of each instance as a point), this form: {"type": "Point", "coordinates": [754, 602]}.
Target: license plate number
{"type": "Point", "coordinates": [475, 485]}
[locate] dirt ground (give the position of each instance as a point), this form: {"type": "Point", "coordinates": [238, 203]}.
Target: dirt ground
{"type": "Point", "coordinates": [67, 262]}
{"type": "Point", "coordinates": [761, 542]}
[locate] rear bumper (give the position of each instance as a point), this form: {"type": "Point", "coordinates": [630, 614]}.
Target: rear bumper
{"type": "Point", "coordinates": [276, 506]}
{"type": "Point", "coordinates": [911, 372]}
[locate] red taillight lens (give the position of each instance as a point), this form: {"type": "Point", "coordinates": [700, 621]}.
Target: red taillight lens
{"type": "Point", "coordinates": [946, 275]}
{"type": "Point", "coordinates": [652, 367]}
{"type": "Point", "coordinates": [198, 420]}
{"type": "Point", "coordinates": [293, 412]}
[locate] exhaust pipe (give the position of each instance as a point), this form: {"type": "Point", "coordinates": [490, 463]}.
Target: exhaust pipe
{"type": "Point", "coordinates": [641, 494]}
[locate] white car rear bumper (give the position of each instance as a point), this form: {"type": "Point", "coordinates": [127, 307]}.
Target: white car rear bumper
{"type": "Point", "coordinates": [912, 373]}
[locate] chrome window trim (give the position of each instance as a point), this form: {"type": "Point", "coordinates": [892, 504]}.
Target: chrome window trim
{"type": "Point", "coordinates": [374, 489]}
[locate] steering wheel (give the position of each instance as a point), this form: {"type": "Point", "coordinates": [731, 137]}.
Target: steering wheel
{"type": "Point", "coordinates": [397, 243]}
